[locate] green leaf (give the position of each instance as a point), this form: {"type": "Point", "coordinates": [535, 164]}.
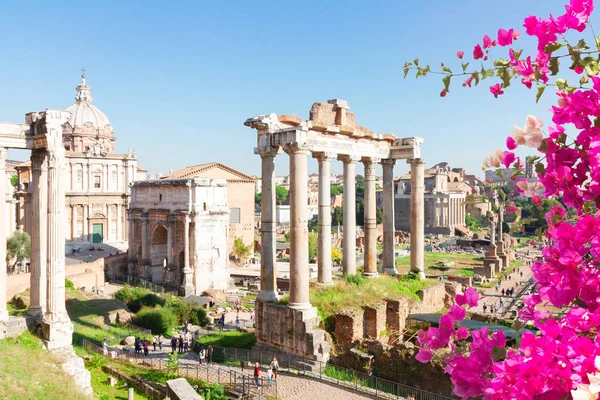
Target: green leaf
{"type": "Point", "coordinates": [517, 325]}
{"type": "Point", "coordinates": [598, 41]}
{"type": "Point", "coordinates": [561, 83]}
{"type": "Point", "coordinates": [540, 169]}
{"type": "Point", "coordinates": [416, 61]}
{"type": "Point", "coordinates": [543, 147]}
{"type": "Point", "coordinates": [597, 122]}
{"type": "Point", "coordinates": [501, 62]}
{"type": "Point", "coordinates": [475, 76]}
{"type": "Point", "coordinates": [447, 70]}
{"type": "Point", "coordinates": [581, 45]}
{"type": "Point", "coordinates": [506, 75]}
{"type": "Point", "coordinates": [591, 67]}
{"type": "Point", "coordinates": [517, 54]}
{"type": "Point", "coordinates": [500, 175]}
{"type": "Point", "coordinates": [584, 79]}
{"type": "Point", "coordinates": [553, 65]}
{"type": "Point", "coordinates": [406, 69]}
{"type": "Point", "coordinates": [540, 91]}
{"type": "Point", "coordinates": [464, 66]}
{"type": "Point", "coordinates": [531, 160]}
{"type": "Point", "coordinates": [446, 81]}
{"type": "Point", "coordinates": [420, 72]}
{"type": "Point", "coordinates": [562, 138]}
{"type": "Point", "coordinates": [486, 73]}
{"type": "Point", "coordinates": [552, 47]}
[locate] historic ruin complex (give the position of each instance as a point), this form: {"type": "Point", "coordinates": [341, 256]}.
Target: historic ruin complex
{"type": "Point", "coordinates": [331, 133]}
{"type": "Point", "coordinates": [178, 233]}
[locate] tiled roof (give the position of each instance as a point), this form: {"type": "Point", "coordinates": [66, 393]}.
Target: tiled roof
{"type": "Point", "coordinates": [193, 170]}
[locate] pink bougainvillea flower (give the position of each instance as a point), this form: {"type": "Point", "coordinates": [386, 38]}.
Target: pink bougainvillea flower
{"type": "Point", "coordinates": [537, 201]}
{"type": "Point", "coordinates": [511, 209]}
{"type": "Point", "coordinates": [496, 90]}
{"type": "Point", "coordinates": [457, 312]}
{"type": "Point", "coordinates": [531, 135]}
{"type": "Point", "coordinates": [477, 52]}
{"type": "Point", "coordinates": [460, 54]}
{"type": "Point", "coordinates": [510, 143]}
{"type": "Point", "coordinates": [515, 34]}
{"type": "Point", "coordinates": [493, 160]}
{"type": "Point", "coordinates": [470, 298]}
{"type": "Point", "coordinates": [468, 81]}
{"type": "Point", "coordinates": [443, 93]}
{"type": "Point", "coordinates": [508, 158]}
{"type": "Point", "coordinates": [578, 69]}
{"type": "Point", "coordinates": [505, 37]}
{"type": "Point", "coordinates": [487, 42]}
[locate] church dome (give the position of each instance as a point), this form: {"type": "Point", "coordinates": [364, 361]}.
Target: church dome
{"type": "Point", "coordinates": [87, 124]}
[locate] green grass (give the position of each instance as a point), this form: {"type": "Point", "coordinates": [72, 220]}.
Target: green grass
{"type": "Point", "coordinates": [344, 375]}
{"type": "Point", "coordinates": [15, 312]}
{"type": "Point", "coordinates": [350, 295]}
{"type": "Point", "coordinates": [237, 339]}
{"type": "Point", "coordinates": [102, 390]}
{"type": "Point", "coordinates": [29, 372]}
{"type": "Point", "coordinates": [461, 261]}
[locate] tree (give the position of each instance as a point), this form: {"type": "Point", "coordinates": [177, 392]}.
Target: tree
{"type": "Point", "coordinates": [379, 215]}
{"type": "Point", "coordinates": [313, 224]}
{"type": "Point", "coordinates": [337, 218]}
{"type": "Point", "coordinates": [336, 190]}
{"type": "Point", "coordinates": [18, 248]}
{"type": "Point", "coordinates": [281, 194]}
{"type": "Point", "coordinates": [14, 180]}
{"type": "Point", "coordinates": [313, 245]}
{"type": "Point", "coordinates": [240, 250]}
{"type": "Point", "coordinates": [257, 198]}
{"type": "Point", "coordinates": [473, 223]}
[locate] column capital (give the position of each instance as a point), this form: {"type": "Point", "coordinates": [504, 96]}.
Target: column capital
{"type": "Point", "coordinates": [416, 161]}
{"type": "Point", "coordinates": [3, 151]}
{"type": "Point", "coordinates": [271, 151]}
{"type": "Point", "coordinates": [348, 159]}
{"type": "Point", "coordinates": [370, 160]}
{"type": "Point", "coordinates": [295, 147]}
{"type": "Point", "coordinates": [145, 217]}
{"type": "Point", "coordinates": [171, 219]}
{"type": "Point", "coordinates": [324, 156]}
{"type": "Point", "coordinates": [388, 162]}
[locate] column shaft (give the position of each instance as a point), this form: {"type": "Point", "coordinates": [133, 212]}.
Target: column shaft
{"type": "Point", "coordinates": [417, 223]}
{"type": "Point", "coordinates": [169, 241]}
{"type": "Point", "coordinates": [56, 310]}
{"type": "Point", "coordinates": [188, 285]}
{"type": "Point", "coordinates": [349, 238]}
{"type": "Point", "coordinates": [86, 216]}
{"type": "Point", "coordinates": [39, 223]}
{"type": "Point", "coordinates": [73, 222]}
{"type": "Point", "coordinates": [389, 229]}
{"type": "Point", "coordinates": [370, 224]}
{"type": "Point", "coordinates": [268, 266]}
{"type": "Point", "coordinates": [299, 273]}
{"type": "Point", "coordinates": [145, 257]}
{"type": "Point", "coordinates": [131, 250]}
{"type": "Point", "coordinates": [324, 255]}
{"type": "Point", "coordinates": [3, 217]}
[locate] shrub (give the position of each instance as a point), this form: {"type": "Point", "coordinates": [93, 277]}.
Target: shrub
{"type": "Point", "coordinates": [198, 316]}
{"type": "Point", "coordinates": [136, 298]}
{"type": "Point", "coordinates": [69, 284]}
{"type": "Point", "coordinates": [355, 279]}
{"type": "Point", "coordinates": [160, 320]}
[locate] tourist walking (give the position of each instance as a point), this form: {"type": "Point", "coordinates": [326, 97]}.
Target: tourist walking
{"type": "Point", "coordinates": [180, 344]}
{"type": "Point", "coordinates": [209, 351]}
{"type": "Point", "coordinates": [160, 342]}
{"type": "Point", "coordinates": [146, 343]}
{"type": "Point", "coordinates": [274, 366]}
{"type": "Point", "coordinates": [186, 343]}
{"type": "Point", "coordinates": [270, 374]}
{"type": "Point", "coordinates": [173, 345]}
{"type": "Point", "coordinates": [201, 355]}
{"type": "Point", "coordinates": [185, 327]}
{"type": "Point", "coordinates": [257, 374]}
{"type": "Point", "coordinates": [138, 345]}
{"type": "Point", "coordinates": [154, 342]}
{"type": "Point", "coordinates": [222, 321]}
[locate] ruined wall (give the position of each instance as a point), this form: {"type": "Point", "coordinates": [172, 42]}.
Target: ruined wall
{"type": "Point", "coordinates": [292, 331]}
{"type": "Point", "coordinates": [116, 265]}
{"type": "Point", "coordinates": [348, 327]}
{"type": "Point", "coordinates": [432, 300]}
{"type": "Point", "coordinates": [374, 320]}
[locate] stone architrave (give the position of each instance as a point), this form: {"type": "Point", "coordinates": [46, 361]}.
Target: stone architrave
{"type": "Point", "coordinates": [324, 254]}
{"type": "Point", "coordinates": [299, 273]}
{"type": "Point", "coordinates": [39, 238]}
{"type": "Point", "coordinates": [370, 224]}
{"type": "Point", "coordinates": [349, 218]}
{"type": "Point", "coordinates": [3, 309]}
{"type": "Point", "coordinates": [417, 216]}
{"type": "Point", "coordinates": [268, 221]}
{"type": "Point", "coordinates": [389, 229]}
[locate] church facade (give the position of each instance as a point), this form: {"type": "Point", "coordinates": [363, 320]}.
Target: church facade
{"type": "Point", "coordinates": [98, 182]}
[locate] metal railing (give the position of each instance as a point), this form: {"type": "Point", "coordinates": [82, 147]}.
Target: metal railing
{"type": "Point", "coordinates": [240, 382]}
{"type": "Point", "coordinates": [135, 281]}
{"type": "Point", "coordinates": [326, 372]}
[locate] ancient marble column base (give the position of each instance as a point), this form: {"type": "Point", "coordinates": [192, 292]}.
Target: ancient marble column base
{"type": "Point", "coordinates": [420, 274]}
{"type": "Point", "coordinates": [370, 274]}
{"type": "Point", "coordinates": [268, 296]}
{"type": "Point", "coordinates": [325, 283]}
{"type": "Point", "coordinates": [187, 290]}
{"type": "Point", "coordinates": [57, 333]}
{"type": "Point", "coordinates": [35, 313]}
{"type": "Point", "coordinates": [300, 306]}
{"type": "Point", "coordinates": [390, 271]}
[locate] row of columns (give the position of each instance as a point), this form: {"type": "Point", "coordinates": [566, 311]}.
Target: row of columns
{"type": "Point", "coordinates": [299, 263]}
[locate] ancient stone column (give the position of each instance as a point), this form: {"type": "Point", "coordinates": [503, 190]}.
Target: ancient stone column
{"type": "Point", "coordinates": [268, 234]}
{"type": "Point", "coordinates": [39, 238]}
{"type": "Point", "coordinates": [324, 256]}
{"type": "Point", "coordinates": [370, 225]}
{"type": "Point", "coordinates": [131, 250]}
{"type": "Point", "coordinates": [389, 228]}
{"type": "Point", "coordinates": [145, 244]}
{"type": "Point", "coordinates": [187, 288]}
{"type": "Point", "coordinates": [299, 272]}
{"type": "Point", "coordinates": [119, 222]}
{"type": "Point", "coordinates": [500, 243]}
{"type": "Point", "coordinates": [417, 216]}
{"type": "Point", "coordinates": [3, 217]}
{"type": "Point", "coordinates": [86, 216]}
{"type": "Point", "coordinates": [349, 239]}
{"type": "Point", "coordinates": [171, 221]}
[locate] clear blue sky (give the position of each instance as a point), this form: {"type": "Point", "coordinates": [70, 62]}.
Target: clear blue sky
{"type": "Point", "coordinates": [178, 79]}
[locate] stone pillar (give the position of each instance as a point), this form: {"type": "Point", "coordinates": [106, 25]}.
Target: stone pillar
{"type": "Point", "coordinates": [86, 216]}
{"type": "Point", "coordinates": [299, 272]}
{"type": "Point", "coordinates": [56, 326]}
{"type": "Point", "coordinates": [171, 221]}
{"type": "Point", "coordinates": [417, 211]}
{"type": "Point", "coordinates": [268, 233]}
{"type": "Point", "coordinates": [145, 245]}
{"type": "Point", "coordinates": [131, 250]}
{"type": "Point", "coordinates": [109, 218]}
{"type": "Point", "coordinates": [39, 222]}
{"type": "Point", "coordinates": [187, 288]}
{"type": "Point", "coordinates": [3, 217]}
{"type": "Point", "coordinates": [349, 239]}
{"type": "Point", "coordinates": [370, 225]}
{"type": "Point", "coordinates": [119, 222]}
{"type": "Point", "coordinates": [500, 243]}
{"type": "Point", "coordinates": [325, 269]}
{"type": "Point", "coordinates": [389, 229]}
{"type": "Point", "coordinates": [73, 222]}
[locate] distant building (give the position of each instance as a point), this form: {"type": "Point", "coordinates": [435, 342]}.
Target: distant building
{"type": "Point", "coordinates": [240, 196]}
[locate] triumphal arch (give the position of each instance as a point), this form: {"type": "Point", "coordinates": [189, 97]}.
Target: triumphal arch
{"type": "Point", "coordinates": [331, 133]}
{"type": "Point", "coordinates": [42, 134]}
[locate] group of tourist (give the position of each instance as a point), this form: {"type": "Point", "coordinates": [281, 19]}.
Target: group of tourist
{"type": "Point", "coordinates": [205, 354]}
{"type": "Point", "coordinates": [141, 345]}
{"type": "Point", "coordinates": [271, 372]}
{"type": "Point", "coordinates": [182, 343]}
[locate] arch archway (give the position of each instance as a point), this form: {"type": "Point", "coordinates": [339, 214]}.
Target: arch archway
{"type": "Point", "coordinates": [158, 245]}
